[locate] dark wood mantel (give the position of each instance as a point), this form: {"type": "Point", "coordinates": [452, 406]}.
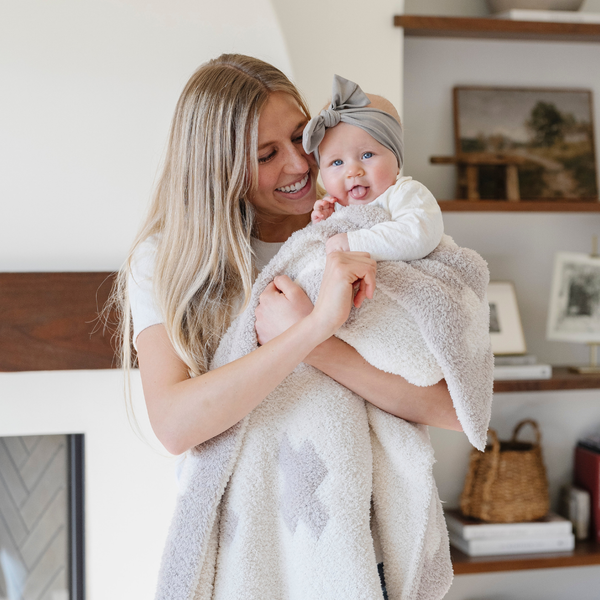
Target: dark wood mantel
{"type": "Point", "coordinates": [49, 321]}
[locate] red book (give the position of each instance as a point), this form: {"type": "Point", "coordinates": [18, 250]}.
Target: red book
{"type": "Point", "coordinates": [587, 476]}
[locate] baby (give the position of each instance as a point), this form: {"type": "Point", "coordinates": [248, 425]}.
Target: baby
{"type": "Point", "coordinates": [360, 153]}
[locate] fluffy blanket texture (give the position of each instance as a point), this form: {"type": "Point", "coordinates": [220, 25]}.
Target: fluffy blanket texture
{"type": "Point", "coordinates": [279, 506]}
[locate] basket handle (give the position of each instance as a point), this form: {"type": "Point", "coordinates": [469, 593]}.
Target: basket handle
{"type": "Point", "coordinates": [491, 474]}
{"type": "Point", "coordinates": [519, 426]}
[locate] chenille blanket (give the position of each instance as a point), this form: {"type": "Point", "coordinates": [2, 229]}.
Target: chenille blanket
{"type": "Point", "coordinates": [282, 505]}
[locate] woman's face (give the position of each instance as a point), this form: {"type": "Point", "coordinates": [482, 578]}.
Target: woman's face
{"type": "Point", "coordinates": [286, 174]}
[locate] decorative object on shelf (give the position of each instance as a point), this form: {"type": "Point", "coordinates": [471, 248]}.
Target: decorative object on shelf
{"type": "Point", "coordinates": [512, 372]}
{"type": "Point", "coordinates": [478, 538]}
{"type": "Point", "coordinates": [515, 360]}
{"type": "Point", "coordinates": [469, 172]}
{"type": "Point", "coordinates": [506, 331]}
{"type": "Point", "coordinates": [497, 6]}
{"type": "Point", "coordinates": [548, 16]}
{"type": "Point", "coordinates": [575, 505]}
{"type": "Point", "coordinates": [507, 483]}
{"type": "Point", "coordinates": [591, 441]}
{"type": "Point", "coordinates": [587, 476]}
{"type": "Point", "coordinates": [524, 143]}
{"type": "Point", "coordinates": [574, 312]}
{"type": "Point", "coordinates": [511, 367]}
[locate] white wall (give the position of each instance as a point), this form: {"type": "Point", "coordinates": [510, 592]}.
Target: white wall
{"type": "Point", "coordinates": [88, 90]}
{"type": "Point", "coordinates": [518, 247]}
{"type": "Point", "coordinates": [355, 40]}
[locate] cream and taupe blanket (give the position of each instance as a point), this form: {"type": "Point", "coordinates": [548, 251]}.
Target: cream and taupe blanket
{"type": "Point", "coordinates": [279, 506]}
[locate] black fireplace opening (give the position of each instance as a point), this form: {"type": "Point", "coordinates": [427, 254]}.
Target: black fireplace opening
{"type": "Point", "coordinates": [42, 543]}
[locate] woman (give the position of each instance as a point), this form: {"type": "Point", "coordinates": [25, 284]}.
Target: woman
{"type": "Point", "coordinates": [235, 185]}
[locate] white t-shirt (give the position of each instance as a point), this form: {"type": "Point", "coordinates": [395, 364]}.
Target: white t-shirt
{"type": "Point", "coordinates": [144, 309]}
{"type": "Point", "coordinates": [415, 227]}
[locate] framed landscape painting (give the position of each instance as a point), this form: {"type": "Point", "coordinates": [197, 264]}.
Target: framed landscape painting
{"type": "Point", "coordinates": [547, 133]}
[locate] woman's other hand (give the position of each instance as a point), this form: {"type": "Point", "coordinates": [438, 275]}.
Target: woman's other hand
{"type": "Point", "coordinates": [282, 304]}
{"type": "Point", "coordinates": [348, 279]}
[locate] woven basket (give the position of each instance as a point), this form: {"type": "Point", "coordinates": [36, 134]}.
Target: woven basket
{"type": "Point", "coordinates": [507, 483]}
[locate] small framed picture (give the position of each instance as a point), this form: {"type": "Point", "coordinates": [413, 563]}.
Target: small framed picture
{"type": "Point", "coordinates": [574, 314]}
{"type": "Point", "coordinates": [539, 141]}
{"type": "Point", "coordinates": [506, 331]}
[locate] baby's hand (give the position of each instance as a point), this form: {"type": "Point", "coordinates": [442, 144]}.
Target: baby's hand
{"type": "Point", "coordinates": [323, 209]}
{"type": "Point", "coordinates": [337, 243]}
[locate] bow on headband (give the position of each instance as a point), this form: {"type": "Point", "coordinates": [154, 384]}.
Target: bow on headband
{"type": "Point", "coordinates": [348, 105]}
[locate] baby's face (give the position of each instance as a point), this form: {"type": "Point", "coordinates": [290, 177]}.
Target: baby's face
{"type": "Point", "coordinates": [355, 168]}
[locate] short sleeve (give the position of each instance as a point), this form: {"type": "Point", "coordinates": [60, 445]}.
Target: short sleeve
{"type": "Point", "coordinates": [144, 310]}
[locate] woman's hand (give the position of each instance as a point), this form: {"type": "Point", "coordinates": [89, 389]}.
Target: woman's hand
{"type": "Point", "coordinates": [348, 279]}
{"type": "Point", "coordinates": [282, 304]}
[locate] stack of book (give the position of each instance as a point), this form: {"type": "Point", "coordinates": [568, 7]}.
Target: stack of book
{"type": "Point", "coordinates": [477, 538]}
{"type": "Point", "coordinates": [520, 366]}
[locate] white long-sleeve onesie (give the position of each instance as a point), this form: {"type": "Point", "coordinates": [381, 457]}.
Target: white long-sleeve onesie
{"type": "Point", "coordinates": [415, 229]}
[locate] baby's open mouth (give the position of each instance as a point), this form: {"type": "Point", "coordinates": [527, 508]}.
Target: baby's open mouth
{"type": "Point", "coordinates": [295, 187]}
{"type": "Point", "coordinates": [358, 192]}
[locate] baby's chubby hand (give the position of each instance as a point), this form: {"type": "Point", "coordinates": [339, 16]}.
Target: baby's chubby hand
{"type": "Point", "coordinates": [323, 209]}
{"type": "Point", "coordinates": [337, 243]}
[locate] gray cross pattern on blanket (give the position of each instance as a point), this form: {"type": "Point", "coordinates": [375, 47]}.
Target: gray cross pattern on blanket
{"type": "Point", "coordinates": [304, 472]}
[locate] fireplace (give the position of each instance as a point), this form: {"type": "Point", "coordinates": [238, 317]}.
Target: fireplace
{"type": "Point", "coordinates": [41, 517]}
{"type": "Point", "coordinates": [56, 378]}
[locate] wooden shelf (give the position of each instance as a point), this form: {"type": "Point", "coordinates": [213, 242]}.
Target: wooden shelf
{"type": "Point", "coordinates": [489, 28]}
{"type": "Point", "coordinates": [562, 379]}
{"type": "Point", "coordinates": [585, 554]}
{"type": "Point", "coordinates": [523, 206]}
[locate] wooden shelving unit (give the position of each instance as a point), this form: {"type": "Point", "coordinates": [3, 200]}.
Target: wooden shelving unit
{"type": "Point", "coordinates": [523, 206]}
{"type": "Point", "coordinates": [488, 28]}
{"type": "Point", "coordinates": [562, 379]}
{"type": "Point", "coordinates": [585, 554]}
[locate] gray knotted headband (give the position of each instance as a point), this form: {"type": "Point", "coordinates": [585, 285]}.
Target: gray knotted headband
{"type": "Point", "coordinates": [348, 105]}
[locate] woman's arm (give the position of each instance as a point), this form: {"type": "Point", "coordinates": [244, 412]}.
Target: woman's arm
{"type": "Point", "coordinates": [185, 412]}
{"type": "Point", "coordinates": [430, 405]}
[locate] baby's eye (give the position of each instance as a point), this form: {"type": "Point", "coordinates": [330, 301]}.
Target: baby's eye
{"type": "Point", "coordinates": [367, 155]}
{"type": "Point", "coordinates": [336, 163]}
{"type": "Point", "coordinates": [297, 139]}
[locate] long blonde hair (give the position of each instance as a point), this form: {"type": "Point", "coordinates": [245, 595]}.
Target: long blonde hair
{"type": "Point", "coordinates": [201, 214]}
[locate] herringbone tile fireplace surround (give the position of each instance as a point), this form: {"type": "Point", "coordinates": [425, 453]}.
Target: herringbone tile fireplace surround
{"type": "Point", "coordinates": [35, 518]}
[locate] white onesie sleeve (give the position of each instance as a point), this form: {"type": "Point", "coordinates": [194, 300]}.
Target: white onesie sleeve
{"type": "Point", "coordinates": [144, 310]}
{"type": "Point", "coordinates": [415, 229]}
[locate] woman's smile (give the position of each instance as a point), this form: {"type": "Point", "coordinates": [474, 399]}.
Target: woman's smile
{"type": "Point", "coordinates": [296, 187]}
